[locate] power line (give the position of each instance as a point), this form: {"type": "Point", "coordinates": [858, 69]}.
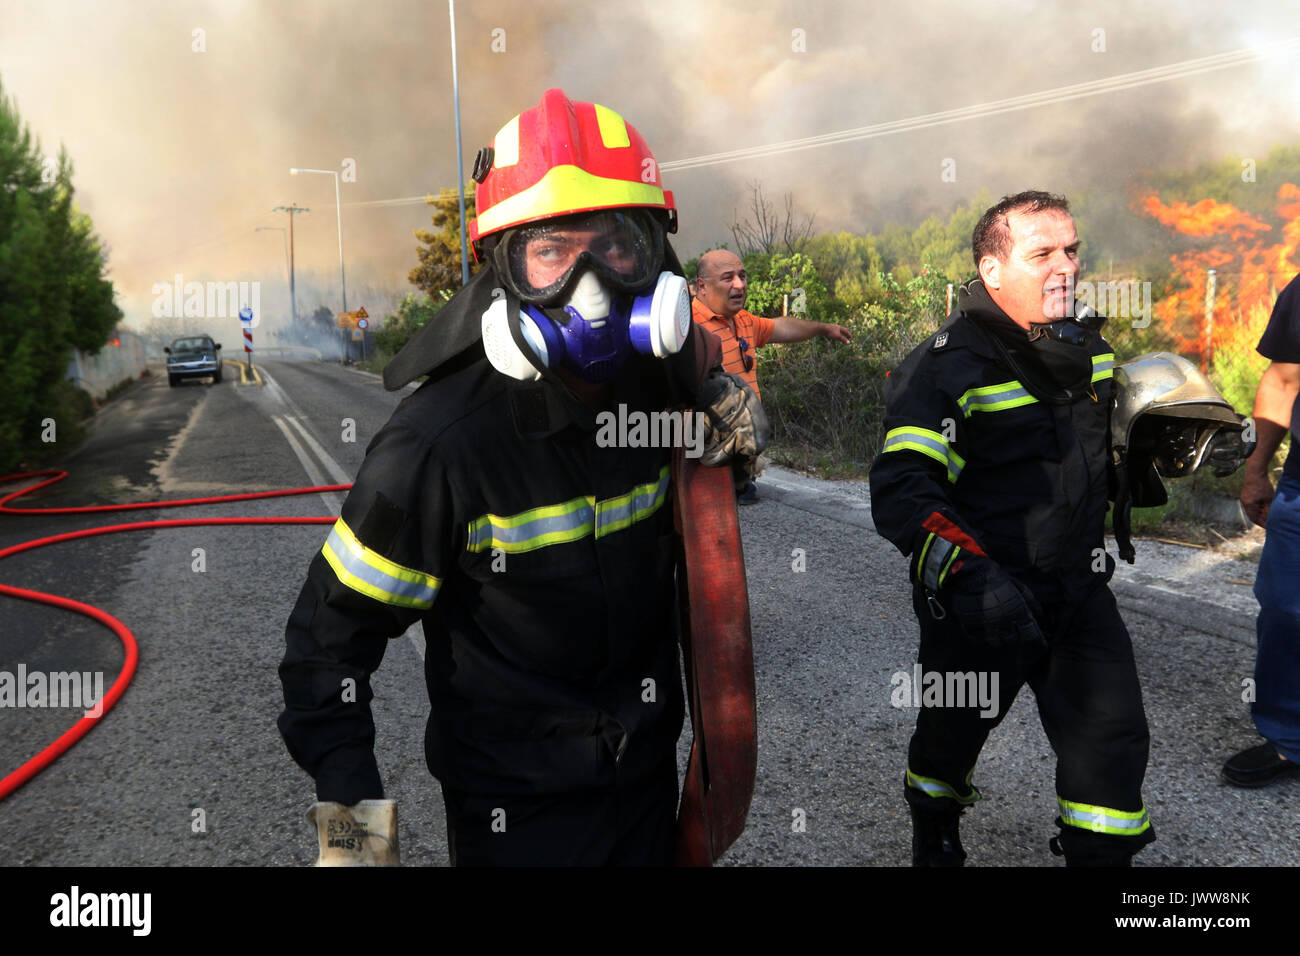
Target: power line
{"type": "Point", "coordinates": [424, 200]}
{"type": "Point", "coordinates": [1062, 94]}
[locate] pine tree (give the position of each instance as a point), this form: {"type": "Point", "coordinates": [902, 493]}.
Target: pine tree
{"type": "Point", "coordinates": [439, 251]}
{"type": "Point", "coordinates": [53, 296]}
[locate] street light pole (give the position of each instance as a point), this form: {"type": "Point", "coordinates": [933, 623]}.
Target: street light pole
{"type": "Point", "coordinates": [338, 206]}
{"type": "Point", "coordinates": [460, 153]}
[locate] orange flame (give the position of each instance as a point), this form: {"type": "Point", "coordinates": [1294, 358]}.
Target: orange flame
{"type": "Point", "coordinates": [1248, 272]}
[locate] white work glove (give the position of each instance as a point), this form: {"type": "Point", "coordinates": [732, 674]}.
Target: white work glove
{"type": "Point", "coordinates": [361, 835]}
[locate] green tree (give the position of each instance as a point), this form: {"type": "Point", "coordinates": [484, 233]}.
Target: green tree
{"type": "Point", "coordinates": [413, 313]}
{"type": "Point", "coordinates": [789, 281]}
{"type": "Point", "coordinates": [53, 294]}
{"type": "Point", "coordinates": [439, 249]}
{"type": "Point", "coordinates": [849, 265]}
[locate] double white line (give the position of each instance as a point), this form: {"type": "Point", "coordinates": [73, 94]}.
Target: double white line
{"type": "Point", "coordinates": [288, 425]}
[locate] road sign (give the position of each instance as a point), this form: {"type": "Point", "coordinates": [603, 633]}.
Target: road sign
{"type": "Point", "coordinates": [358, 335]}
{"type": "Point", "coordinates": [245, 314]}
{"type": "Point", "coordinates": [363, 323]}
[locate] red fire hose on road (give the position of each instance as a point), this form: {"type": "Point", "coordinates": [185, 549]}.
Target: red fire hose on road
{"type": "Point", "coordinates": [36, 764]}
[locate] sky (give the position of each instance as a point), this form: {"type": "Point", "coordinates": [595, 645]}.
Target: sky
{"type": "Point", "coordinates": [183, 118]}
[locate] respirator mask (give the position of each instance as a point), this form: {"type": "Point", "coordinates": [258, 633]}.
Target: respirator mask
{"type": "Point", "coordinates": [583, 292]}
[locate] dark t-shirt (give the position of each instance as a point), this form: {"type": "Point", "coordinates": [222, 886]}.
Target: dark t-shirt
{"type": "Point", "coordinates": [1281, 343]}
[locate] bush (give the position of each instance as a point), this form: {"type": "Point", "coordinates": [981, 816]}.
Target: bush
{"type": "Point", "coordinates": [69, 406]}
{"type": "Point", "coordinates": [1236, 366]}
{"type": "Point", "coordinates": [413, 313]}
{"type": "Point", "coordinates": [826, 400]}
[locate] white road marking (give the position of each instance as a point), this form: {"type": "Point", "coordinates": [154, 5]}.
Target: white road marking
{"type": "Point", "coordinates": [340, 476]}
{"type": "Point", "coordinates": [333, 500]}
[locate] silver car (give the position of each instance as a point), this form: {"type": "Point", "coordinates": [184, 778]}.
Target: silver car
{"type": "Point", "coordinates": [193, 357]}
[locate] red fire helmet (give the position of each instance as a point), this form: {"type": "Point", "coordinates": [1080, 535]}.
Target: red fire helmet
{"type": "Point", "coordinates": [563, 157]}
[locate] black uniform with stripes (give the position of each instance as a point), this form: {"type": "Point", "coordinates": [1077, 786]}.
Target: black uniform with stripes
{"type": "Point", "coordinates": [542, 567]}
{"type": "Point", "coordinates": [973, 455]}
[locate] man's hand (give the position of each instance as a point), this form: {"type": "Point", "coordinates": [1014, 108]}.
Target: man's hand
{"type": "Point", "coordinates": [797, 330]}
{"type": "Point", "coordinates": [1256, 496]}
{"type": "Point", "coordinates": [1278, 388]}
{"type": "Point", "coordinates": [836, 333]}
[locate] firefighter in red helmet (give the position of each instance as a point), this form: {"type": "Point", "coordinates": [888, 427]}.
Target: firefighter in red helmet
{"type": "Point", "coordinates": [538, 557]}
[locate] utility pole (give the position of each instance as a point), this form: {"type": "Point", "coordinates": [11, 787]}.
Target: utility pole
{"type": "Point", "coordinates": [291, 209]}
{"type": "Point", "coordinates": [1211, 282]}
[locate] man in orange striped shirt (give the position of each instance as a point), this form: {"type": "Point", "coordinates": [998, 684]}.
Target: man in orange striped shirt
{"type": "Point", "coordinates": [719, 306]}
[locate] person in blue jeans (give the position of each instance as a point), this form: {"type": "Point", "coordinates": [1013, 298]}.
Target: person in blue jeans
{"type": "Point", "coordinates": [1276, 709]}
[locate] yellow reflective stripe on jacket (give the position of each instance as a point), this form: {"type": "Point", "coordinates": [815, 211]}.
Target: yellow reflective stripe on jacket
{"type": "Point", "coordinates": [642, 501]}
{"type": "Point", "coordinates": [534, 528]}
{"type": "Point", "coordinates": [937, 788]}
{"type": "Point", "coordinates": [929, 443]}
{"type": "Point", "coordinates": [1103, 366]}
{"type": "Point", "coordinates": [994, 398]}
{"type": "Point", "coordinates": [997, 398]}
{"type": "Point", "coordinates": [1085, 816]}
{"type": "Point", "coordinates": [370, 573]}
{"type": "Point", "coordinates": [568, 521]}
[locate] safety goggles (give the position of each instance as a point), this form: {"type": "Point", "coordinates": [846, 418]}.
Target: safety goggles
{"type": "Point", "coordinates": [624, 247]}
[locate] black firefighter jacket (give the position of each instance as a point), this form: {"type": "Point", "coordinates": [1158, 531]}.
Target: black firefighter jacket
{"type": "Point", "coordinates": [542, 568]}
{"type": "Point", "coordinates": [968, 445]}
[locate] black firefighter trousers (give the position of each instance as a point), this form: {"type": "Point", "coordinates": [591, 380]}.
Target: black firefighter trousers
{"type": "Point", "coordinates": [631, 823]}
{"type": "Point", "coordinates": [1090, 705]}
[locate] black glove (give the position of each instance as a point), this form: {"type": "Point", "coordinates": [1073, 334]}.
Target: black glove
{"type": "Point", "coordinates": [991, 607]}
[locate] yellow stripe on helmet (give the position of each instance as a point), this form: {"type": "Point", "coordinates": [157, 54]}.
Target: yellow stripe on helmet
{"type": "Point", "coordinates": [566, 189]}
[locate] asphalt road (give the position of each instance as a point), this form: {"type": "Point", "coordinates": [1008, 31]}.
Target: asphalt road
{"type": "Point", "coordinates": [189, 769]}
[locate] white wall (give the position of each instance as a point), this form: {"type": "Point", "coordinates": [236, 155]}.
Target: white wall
{"type": "Point", "coordinates": [114, 362]}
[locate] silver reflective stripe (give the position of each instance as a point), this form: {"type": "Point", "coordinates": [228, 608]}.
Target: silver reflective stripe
{"type": "Point", "coordinates": [567, 521]}
{"type": "Point", "coordinates": [1103, 819]}
{"type": "Point", "coordinates": [937, 788]}
{"type": "Point", "coordinates": [929, 443]}
{"type": "Point", "coordinates": [618, 513]}
{"type": "Point", "coordinates": [548, 529]}
{"type": "Point", "coordinates": [995, 398]}
{"type": "Point", "coordinates": [369, 573]}
{"type": "Point", "coordinates": [1103, 366]}
{"type": "Point", "coordinates": [898, 437]}
{"type": "Point", "coordinates": [935, 559]}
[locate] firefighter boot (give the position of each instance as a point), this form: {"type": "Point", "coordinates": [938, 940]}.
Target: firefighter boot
{"type": "Point", "coordinates": [1085, 848]}
{"type": "Point", "coordinates": [935, 840]}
